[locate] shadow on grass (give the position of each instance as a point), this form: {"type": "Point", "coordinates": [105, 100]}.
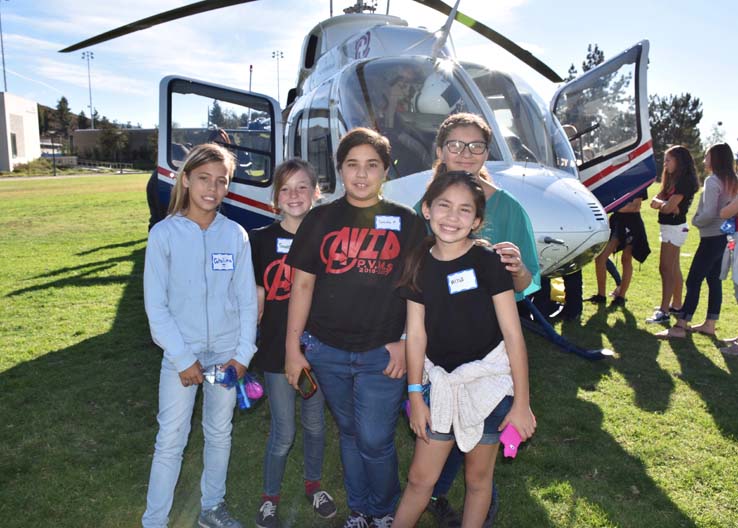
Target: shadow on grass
{"type": "Point", "coordinates": [111, 246]}
{"type": "Point", "coordinates": [716, 387]}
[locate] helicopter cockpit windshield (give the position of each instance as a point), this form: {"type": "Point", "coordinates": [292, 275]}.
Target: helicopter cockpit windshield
{"type": "Point", "coordinates": [406, 99]}
{"type": "Point", "coordinates": [531, 131]}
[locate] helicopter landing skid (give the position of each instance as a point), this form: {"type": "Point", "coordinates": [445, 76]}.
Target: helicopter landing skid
{"type": "Point", "coordinates": [542, 327]}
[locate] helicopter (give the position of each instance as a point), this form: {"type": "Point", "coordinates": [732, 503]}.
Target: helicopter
{"type": "Point", "coordinates": [568, 162]}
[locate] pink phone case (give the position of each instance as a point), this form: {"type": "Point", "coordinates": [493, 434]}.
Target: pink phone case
{"type": "Point", "coordinates": [510, 439]}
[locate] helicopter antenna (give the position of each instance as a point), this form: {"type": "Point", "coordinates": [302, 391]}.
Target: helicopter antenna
{"type": "Point", "coordinates": [331, 8]}
{"type": "Point", "coordinates": [387, 13]}
{"type": "Point", "coordinates": [442, 35]}
{"type": "Point", "coordinates": [360, 7]}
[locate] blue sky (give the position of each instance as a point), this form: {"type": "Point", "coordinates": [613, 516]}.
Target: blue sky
{"type": "Point", "coordinates": [693, 48]}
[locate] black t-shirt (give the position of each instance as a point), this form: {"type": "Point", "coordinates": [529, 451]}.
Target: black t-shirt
{"type": "Point", "coordinates": [356, 255]}
{"type": "Point", "coordinates": [460, 320]}
{"type": "Point", "coordinates": [687, 188]}
{"type": "Point", "coordinates": [269, 248]}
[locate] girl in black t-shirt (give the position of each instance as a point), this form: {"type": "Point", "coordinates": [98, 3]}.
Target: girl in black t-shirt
{"type": "Point", "coordinates": [295, 190]}
{"type": "Point", "coordinates": [678, 186]}
{"type": "Point", "coordinates": [463, 331]}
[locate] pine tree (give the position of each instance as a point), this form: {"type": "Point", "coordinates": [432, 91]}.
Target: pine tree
{"type": "Point", "coordinates": [674, 120]}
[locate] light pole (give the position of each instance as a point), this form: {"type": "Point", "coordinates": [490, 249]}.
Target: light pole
{"type": "Point", "coordinates": [277, 55]}
{"type": "Point", "coordinates": [87, 55]}
{"type": "Point", "coordinates": [2, 48]}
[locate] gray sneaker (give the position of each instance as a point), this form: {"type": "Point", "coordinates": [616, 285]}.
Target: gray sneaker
{"type": "Point", "coordinates": [323, 504]}
{"type": "Point", "coordinates": [658, 317]}
{"type": "Point", "coordinates": [382, 522]}
{"type": "Point", "coordinates": [218, 517]}
{"type": "Point", "coordinates": [267, 516]}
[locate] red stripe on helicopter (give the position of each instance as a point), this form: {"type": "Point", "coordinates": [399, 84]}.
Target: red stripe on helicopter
{"type": "Point", "coordinates": [612, 168]}
{"type": "Point", "coordinates": [233, 196]}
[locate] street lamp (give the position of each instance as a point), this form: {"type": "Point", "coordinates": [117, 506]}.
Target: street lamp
{"type": "Point", "coordinates": [277, 55]}
{"type": "Point", "coordinates": [87, 55]}
{"type": "Point", "coordinates": [2, 48]}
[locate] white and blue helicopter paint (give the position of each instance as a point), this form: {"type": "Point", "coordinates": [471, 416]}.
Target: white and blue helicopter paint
{"type": "Point", "coordinates": [350, 61]}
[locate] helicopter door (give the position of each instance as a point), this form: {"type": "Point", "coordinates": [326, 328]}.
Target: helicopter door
{"type": "Point", "coordinates": [249, 125]}
{"type": "Point", "coordinates": [604, 113]}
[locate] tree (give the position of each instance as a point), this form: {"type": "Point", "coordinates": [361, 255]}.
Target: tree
{"type": "Point", "coordinates": [674, 120]}
{"type": "Point", "coordinates": [215, 115]}
{"type": "Point", "coordinates": [83, 121]}
{"type": "Point", "coordinates": [594, 57]}
{"type": "Point", "coordinates": [63, 116]}
{"type": "Point", "coordinates": [112, 140]}
{"type": "Point", "coordinates": [717, 135]}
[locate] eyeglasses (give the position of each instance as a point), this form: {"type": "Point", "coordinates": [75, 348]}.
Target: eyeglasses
{"type": "Point", "coordinates": [456, 146]}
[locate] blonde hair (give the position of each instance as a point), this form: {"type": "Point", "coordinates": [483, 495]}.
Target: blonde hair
{"type": "Point", "coordinates": [284, 172]}
{"type": "Point", "coordinates": [198, 156]}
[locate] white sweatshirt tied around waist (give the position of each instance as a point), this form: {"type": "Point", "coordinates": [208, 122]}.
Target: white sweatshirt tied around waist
{"type": "Point", "coordinates": [463, 398]}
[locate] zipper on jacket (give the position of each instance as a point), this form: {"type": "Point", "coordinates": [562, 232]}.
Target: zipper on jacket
{"type": "Point", "coordinates": [205, 278]}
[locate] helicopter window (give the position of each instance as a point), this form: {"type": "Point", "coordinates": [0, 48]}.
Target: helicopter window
{"type": "Point", "coordinates": [600, 112]}
{"type": "Point", "coordinates": [297, 143]}
{"type": "Point", "coordinates": [406, 100]}
{"type": "Point", "coordinates": [530, 130]}
{"type": "Point", "coordinates": [204, 114]}
{"type": "Point", "coordinates": [319, 148]}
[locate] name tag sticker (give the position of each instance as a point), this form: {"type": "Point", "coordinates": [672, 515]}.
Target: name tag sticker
{"type": "Point", "coordinates": [284, 245]}
{"type": "Point", "coordinates": [393, 223]}
{"type": "Point", "coordinates": [462, 281]}
{"type": "Point", "coordinates": [222, 261]}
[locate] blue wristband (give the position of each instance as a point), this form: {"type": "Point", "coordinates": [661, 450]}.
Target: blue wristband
{"type": "Point", "coordinates": [417, 387]}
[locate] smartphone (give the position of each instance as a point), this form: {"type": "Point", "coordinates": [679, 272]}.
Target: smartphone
{"type": "Point", "coordinates": [306, 385]}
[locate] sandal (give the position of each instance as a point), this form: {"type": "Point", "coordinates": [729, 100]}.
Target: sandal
{"type": "Point", "coordinates": [673, 332]}
{"type": "Point", "coordinates": [699, 330]}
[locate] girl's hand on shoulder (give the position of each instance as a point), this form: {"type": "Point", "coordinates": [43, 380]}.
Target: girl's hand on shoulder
{"type": "Point", "coordinates": [510, 257]}
{"type": "Point", "coordinates": [396, 367]}
{"type": "Point", "coordinates": [192, 375]}
{"type": "Point", "coordinates": [419, 418]}
{"type": "Point", "coordinates": [240, 369]}
{"type": "Point", "coordinates": [293, 365]}
{"type": "Point", "coordinates": [522, 419]}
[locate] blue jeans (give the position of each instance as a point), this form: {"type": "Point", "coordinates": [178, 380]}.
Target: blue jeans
{"type": "Point", "coordinates": [365, 404]}
{"type": "Point", "coordinates": [176, 403]}
{"type": "Point", "coordinates": [282, 433]}
{"type": "Point", "coordinates": [705, 266]}
{"type": "Point", "coordinates": [456, 457]}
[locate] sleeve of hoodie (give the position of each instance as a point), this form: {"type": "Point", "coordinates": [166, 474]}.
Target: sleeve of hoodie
{"type": "Point", "coordinates": [164, 329]}
{"type": "Point", "coordinates": [709, 208]}
{"type": "Point", "coordinates": [247, 304]}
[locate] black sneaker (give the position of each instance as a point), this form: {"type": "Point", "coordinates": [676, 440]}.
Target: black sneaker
{"type": "Point", "coordinates": [356, 520]}
{"type": "Point", "coordinates": [445, 515]}
{"type": "Point", "coordinates": [597, 299]}
{"type": "Point", "coordinates": [382, 522]}
{"type": "Point", "coordinates": [323, 504]}
{"type": "Point", "coordinates": [618, 301]}
{"type": "Point", "coordinates": [267, 516]}
{"type": "Point", "coordinates": [658, 317]}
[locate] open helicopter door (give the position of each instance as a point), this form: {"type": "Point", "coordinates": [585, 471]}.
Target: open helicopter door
{"type": "Point", "coordinates": [605, 114]}
{"type": "Point", "coordinates": [193, 112]}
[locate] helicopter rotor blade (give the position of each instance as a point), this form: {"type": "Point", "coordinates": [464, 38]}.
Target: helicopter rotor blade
{"type": "Point", "coordinates": [508, 45]}
{"type": "Point", "coordinates": [167, 16]}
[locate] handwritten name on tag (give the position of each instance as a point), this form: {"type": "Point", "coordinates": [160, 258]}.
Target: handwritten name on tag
{"type": "Point", "coordinates": [462, 281]}
{"type": "Point", "coordinates": [284, 245]}
{"type": "Point", "coordinates": [393, 223]}
{"type": "Point", "coordinates": [222, 261]}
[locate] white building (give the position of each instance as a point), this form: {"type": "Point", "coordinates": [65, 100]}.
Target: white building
{"type": "Point", "coordinates": [19, 138]}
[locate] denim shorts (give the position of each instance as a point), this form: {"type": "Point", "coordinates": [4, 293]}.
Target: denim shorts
{"type": "Point", "coordinates": [491, 435]}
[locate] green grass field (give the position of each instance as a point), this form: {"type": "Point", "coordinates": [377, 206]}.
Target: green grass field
{"type": "Point", "coordinates": [646, 438]}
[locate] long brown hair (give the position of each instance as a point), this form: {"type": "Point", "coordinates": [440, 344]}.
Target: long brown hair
{"type": "Point", "coordinates": [685, 171]}
{"type": "Point", "coordinates": [199, 155]}
{"type": "Point", "coordinates": [462, 119]}
{"type": "Point", "coordinates": [723, 166]}
{"type": "Point", "coordinates": [411, 269]}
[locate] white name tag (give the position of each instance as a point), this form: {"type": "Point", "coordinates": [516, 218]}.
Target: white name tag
{"type": "Point", "coordinates": [284, 245]}
{"type": "Point", "coordinates": [393, 223]}
{"type": "Point", "coordinates": [462, 281]}
{"type": "Point", "coordinates": [222, 261]}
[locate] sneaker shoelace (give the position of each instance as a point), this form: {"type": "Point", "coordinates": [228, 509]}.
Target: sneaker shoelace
{"type": "Point", "coordinates": [220, 514]}
{"type": "Point", "coordinates": [383, 522]}
{"type": "Point", "coordinates": [320, 498]}
{"type": "Point", "coordinates": [356, 521]}
{"type": "Point", "coordinates": [268, 509]}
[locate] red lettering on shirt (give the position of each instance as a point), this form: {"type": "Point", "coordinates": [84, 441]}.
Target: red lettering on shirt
{"type": "Point", "coordinates": [278, 280]}
{"type": "Point", "coordinates": [363, 248]}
